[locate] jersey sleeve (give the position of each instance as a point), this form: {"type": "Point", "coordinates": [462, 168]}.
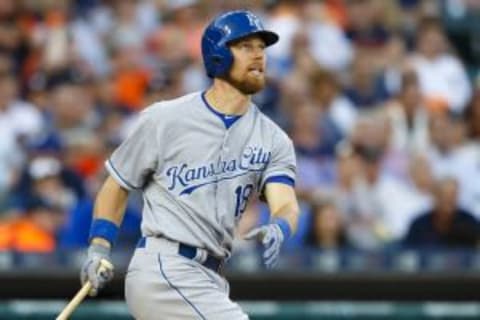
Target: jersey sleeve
{"type": "Point", "coordinates": [137, 156]}
{"type": "Point", "coordinates": [282, 165]}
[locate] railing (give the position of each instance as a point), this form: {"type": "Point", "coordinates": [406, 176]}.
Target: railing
{"type": "Point", "coordinates": [305, 260]}
{"type": "Point", "coordinates": [403, 275]}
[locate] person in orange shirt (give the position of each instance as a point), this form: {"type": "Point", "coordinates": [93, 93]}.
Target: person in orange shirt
{"type": "Point", "coordinates": [34, 232]}
{"type": "Point", "coordinates": [130, 78]}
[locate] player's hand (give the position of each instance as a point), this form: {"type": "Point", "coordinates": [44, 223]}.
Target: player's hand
{"type": "Point", "coordinates": [91, 270]}
{"type": "Point", "coordinates": [272, 237]}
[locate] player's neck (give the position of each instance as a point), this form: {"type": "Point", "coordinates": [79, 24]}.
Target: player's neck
{"type": "Point", "coordinates": [226, 99]}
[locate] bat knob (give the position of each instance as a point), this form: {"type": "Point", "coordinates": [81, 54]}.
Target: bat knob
{"type": "Point", "coordinates": [105, 265]}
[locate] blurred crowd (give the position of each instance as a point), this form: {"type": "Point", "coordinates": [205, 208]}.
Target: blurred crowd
{"type": "Point", "coordinates": [382, 109]}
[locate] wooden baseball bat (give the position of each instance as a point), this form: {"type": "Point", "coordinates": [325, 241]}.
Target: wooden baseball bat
{"type": "Point", "coordinates": [82, 293]}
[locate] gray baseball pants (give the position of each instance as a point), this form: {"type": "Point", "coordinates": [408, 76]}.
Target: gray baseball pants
{"type": "Point", "coordinates": [162, 284]}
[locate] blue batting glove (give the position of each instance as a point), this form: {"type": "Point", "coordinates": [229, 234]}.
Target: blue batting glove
{"type": "Point", "coordinates": [272, 236]}
{"type": "Point", "coordinates": [91, 270]}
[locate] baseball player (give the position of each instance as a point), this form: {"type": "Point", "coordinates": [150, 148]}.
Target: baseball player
{"type": "Point", "coordinates": [198, 160]}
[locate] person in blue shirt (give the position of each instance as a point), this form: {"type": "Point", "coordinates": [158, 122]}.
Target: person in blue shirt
{"type": "Point", "coordinates": [446, 225]}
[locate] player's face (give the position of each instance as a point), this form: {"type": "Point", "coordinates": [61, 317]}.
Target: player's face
{"type": "Point", "coordinates": [248, 70]}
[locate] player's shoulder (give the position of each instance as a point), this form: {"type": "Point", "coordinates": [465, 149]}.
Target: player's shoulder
{"type": "Point", "coordinates": [270, 127]}
{"type": "Point", "coordinates": [173, 107]}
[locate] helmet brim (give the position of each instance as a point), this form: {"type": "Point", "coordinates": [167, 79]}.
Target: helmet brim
{"type": "Point", "coordinates": [268, 37]}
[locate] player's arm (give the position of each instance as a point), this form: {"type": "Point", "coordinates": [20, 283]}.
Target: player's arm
{"type": "Point", "coordinates": [277, 188]}
{"type": "Point", "coordinates": [283, 204]}
{"type": "Point", "coordinates": [110, 206]}
{"type": "Point", "coordinates": [284, 211]}
{"type": "Point", "coordinates": [129, 167]}
{"type": "Point", "coordinates": [108, 215]}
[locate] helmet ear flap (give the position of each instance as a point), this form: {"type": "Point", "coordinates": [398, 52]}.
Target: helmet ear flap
{"type": "Point", "coordinates": [221, 61]}
{"type": "Point", "coordinates": [217, 60]}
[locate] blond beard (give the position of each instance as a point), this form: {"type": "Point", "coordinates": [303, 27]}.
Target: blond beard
{"type": "Point", "coordinates": [246, 86]}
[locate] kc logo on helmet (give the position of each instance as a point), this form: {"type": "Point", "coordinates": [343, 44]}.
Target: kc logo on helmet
{"type": "Point", "coordinates": [254, 21]}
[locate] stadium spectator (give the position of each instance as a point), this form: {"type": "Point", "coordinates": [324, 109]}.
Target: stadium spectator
{"type": "Point", "coordinates": [284, 17]}
{"type": "Point", "coordinates": [295, 87]}
{"type": "Point", "coordinates": [177, 40]}
{"type": "Point", "coordinates": [326, 37]}
{"type": "Point", "coordinates": [89, 50]}
{"type": "Point", "coordinates": [105, 97]}
{"type": "Point", "coordinates": [327, 230]}
{"type": "Point", "coordinates": [366, 88]}
{"type": "Point", "coordinates": [443, 79]}
{"type": "Point", "coordinates": [366, 23]}
{"type": "Point", "coordinates": [373, 129]}
{"type": "Point", "coordinates": [421, 179]}
{"type": "Point", "coordinates": [12, 37]}
{"type": "Point", "coordinates": [314, 151]}
{"type": "Point", "coordinates": [20, 123]}
{"type": "Point", "coordinates": [35, 230]}
{"type": "Point", "coordinates": [450, 155]}
{"type": "Point", "coordinates": [20, 117]}
{"type": "Point", "coordinates": [392, 62]}
{"type": "Point", "coordinates": [347, 170]}
{"type": "Point", "coordinates": [46, 177]}
{"type": "Point", "coordinates": [311, 132]}
{"type": "Point", "coordinates": [71, 112]}
{"type": "Point", "coordinates": [174, 47]}
{"type": "Point", "coordinates": [47, 183]}
{"type": "Point", "coordinates": [130, 76]}
{"type": "Point", "coordinates": [446, 225]}
{"type": "Point", "coordinates": [409, 118]}
{"type": "Point", "coordinates": [325, 90]}
{"type": "Point", "coordinates": [129, 23]}
{"type": "Point", "coordinates": [444, 154]}
{"type": "Point", "coordinates": [381, 205]}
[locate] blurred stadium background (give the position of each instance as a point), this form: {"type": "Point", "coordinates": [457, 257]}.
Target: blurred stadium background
{"type": "Point", "coordinates": [381, 99]}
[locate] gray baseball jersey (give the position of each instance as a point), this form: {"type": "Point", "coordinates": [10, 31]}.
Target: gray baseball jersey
{"type": "Point", "coordinates": [198, 168]}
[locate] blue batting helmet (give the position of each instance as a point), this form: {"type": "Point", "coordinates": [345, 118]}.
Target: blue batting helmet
{"type": "Point", "coordinates": [224, 29]}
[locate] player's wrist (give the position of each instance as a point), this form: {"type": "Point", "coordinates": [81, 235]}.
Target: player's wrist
{"type": "Point", "coordinates": [284, 227]}
{"type": "Point", "coordinates": [101, 242]}
{"type": "Point", "coordinates": [99, 250]}
{"type": "Point", "coordinates": [103, 232]}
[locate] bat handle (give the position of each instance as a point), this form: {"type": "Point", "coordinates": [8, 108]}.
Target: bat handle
{"type": "Point", "coordinates": [82, 293]}
{"type": "Point", "coordinates": [104, 265]}
{"type": "Point", "coordinates": [73, 304]}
